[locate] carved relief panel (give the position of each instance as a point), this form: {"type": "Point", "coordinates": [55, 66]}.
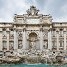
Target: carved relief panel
{"type": "Point", "coordinates": [11, 35]}
{"type": "Point", "coordinates": [11, 45]}
{"type": "Point", "coordinates": [20, 35]}
{"type": "Point", "coordinates": [4, 34]}
{"type": "Point", "coordinates": [45, 37]}
{"type": "Point", "coordinates": [45, 34]}
{"type": "Point", "coordinates": [20, 39]}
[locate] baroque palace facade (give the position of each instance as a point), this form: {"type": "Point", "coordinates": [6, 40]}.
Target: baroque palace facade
{"type": "Point", "coordinates": [33, 31]}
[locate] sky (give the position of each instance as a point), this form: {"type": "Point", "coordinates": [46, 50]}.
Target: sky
{"type": "Point", "coordinates": [56, 8]}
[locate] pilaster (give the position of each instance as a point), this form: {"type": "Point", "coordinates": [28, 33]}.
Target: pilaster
{"type": "Point", "coordinates": [64, 38]}
{"type": "Point", "coordinates": [24, 38]}
{"type": "Point", "coordinates": [57, 39]}
{"type": "Point", "coordinates": [7, 40]}
{"type": "Point", "coordinates": [41, 38]}
{"type": "Point", "coordinates": [49, 40]}
{"type": "Point", "coordinates": [1, 46]}
{"type": "Point", "coordinates": [15, 40]}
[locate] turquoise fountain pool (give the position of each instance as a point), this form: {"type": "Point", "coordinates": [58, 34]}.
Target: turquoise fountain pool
{"type": "Point", "coordinates": [30, 65]}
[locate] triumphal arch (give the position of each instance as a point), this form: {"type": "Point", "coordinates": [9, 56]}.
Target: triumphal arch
{"type": "Point", "coordinates": [33, 31]}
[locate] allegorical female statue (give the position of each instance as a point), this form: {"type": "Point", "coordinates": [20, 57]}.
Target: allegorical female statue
{"type": "Point", "coordinates": [32, 43]}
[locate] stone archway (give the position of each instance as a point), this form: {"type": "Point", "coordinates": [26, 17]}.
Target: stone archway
{"type": "Point", "coordinates": [32, 40]}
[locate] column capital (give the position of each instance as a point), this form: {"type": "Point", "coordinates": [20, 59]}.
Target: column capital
{"type": "Point", "coordinates": [49, 29]}
{"type": "Point", "coordinates": [0, 29]}
{"type": "Point", "coordinates": [41, 29]}
{"type": "Point", "coordinates": [50, 26]}
{"type": "Point", "coordinates": [14, 26]}
{"type": "Point", "coordinates": [64, 29]}
{"type": "Point", "coordinates": [57, 30]}
{"type": "Point", "coordinates": [24, 29]}
{"type": "Point", "coordinates": [7, 30]}
{"type": "Point", "coordinates": [15, 29]}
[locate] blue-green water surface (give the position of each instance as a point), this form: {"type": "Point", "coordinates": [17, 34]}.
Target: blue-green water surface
{"type": "Point", "coordinates": [30, 65]}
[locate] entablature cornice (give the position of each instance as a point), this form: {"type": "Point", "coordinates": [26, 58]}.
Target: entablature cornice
{"type": "Point", "coordinates": [6, 25]}
{"type": "Point", "coordinates": [59, 24]}
{"type": "Point", "coordinates": [32, 24]}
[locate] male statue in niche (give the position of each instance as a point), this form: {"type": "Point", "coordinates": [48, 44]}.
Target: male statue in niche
{"type": "Point", "coordinates": [32, 41]}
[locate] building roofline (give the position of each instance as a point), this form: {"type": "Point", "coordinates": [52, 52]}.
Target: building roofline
{"type": "Point", "coordinates": [6, 22]}
{"type": "Point", "coordinates": [60, 22]}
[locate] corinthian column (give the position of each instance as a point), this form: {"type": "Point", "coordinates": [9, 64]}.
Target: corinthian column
{"type": "Point", "coordinates": [15, 40]}
{"type": "Point", "coordinates": [41, 38]}
{"type": "Point", "coordinates": [7, 40]}
{"type": "Point", "coordinates": [49, 40]}
{"type": "Point", "coordinates": [64, 38]}
{"type": "Point", "coordinates": [24, 38]}
{"type": "Point", "coordinates": [57, 39]}
{"type": "Point", "coordinates": [1, 45]}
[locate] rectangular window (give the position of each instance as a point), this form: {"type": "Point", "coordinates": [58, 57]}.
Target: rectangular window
{"type": "Point", "coordinates": [11, 45]}
{"type": "Point", "coordinates": [20, 44]}
{"type": "Point", "coordinates": [11, 35]}
{"type": "Point", "coordinates": [4, 35]}
{"type": "Point", "coordinates": [54, 44]}
{"type": "Point", "coordinates": [53, 32]}
{"type": "Point", "coordinates": [4, 45]}
{"type": "Point", "coordinates": [61, 43]}
{"type": "Point", "coordinates": [61, 32]}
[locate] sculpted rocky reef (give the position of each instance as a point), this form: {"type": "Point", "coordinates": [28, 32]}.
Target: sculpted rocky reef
{"type": "Point", "coordinates": [35, 56]}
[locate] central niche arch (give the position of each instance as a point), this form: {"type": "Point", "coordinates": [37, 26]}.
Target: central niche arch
{"type": "Point", "coordinates": [33, 40]}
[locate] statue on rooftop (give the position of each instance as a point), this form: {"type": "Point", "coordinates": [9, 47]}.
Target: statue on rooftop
{"type": "Point", "coordinates": [32, 11]}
